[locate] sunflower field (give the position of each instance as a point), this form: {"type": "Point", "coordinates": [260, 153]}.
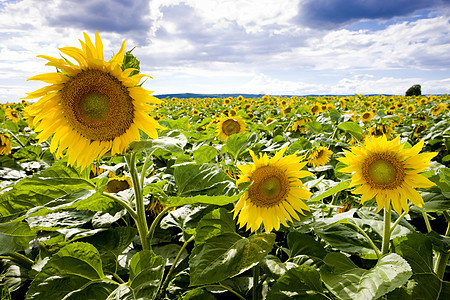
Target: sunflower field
{"type": "Point", "coordinates": [108, 192]}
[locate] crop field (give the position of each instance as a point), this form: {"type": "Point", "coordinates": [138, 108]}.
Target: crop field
{"type": "Point", "coordinates": [108, 192]}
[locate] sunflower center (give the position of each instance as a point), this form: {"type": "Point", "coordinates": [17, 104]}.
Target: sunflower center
{"type": "Point", "coordinates": [270, 186]}
{"type": "Point", "coordinates": [97, 105]}
{"type": "Point", "coordinates": [383, 171]}
{"type": "Point", "coordinates": [230, 127]}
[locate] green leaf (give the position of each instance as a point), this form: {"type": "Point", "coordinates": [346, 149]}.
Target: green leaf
{"type": "Point", "coordinates": [347, 281]}
{"type": "Point", "coordinates": [57, 220]}
{"type": "Point", "coordinates": [303, 244]}
{"type": "Point", "coordinates": [111, 243]}
{"type": "Point", "coordinates": [214, 223]}
{"type": "Point", "coordinates": [200, 199]}
{"type": "Point", "coordinates": [13, 275]}
{"type": "Point", "coordinates": [15, 236]}
{"type": "Point", "coordinates": [352, 128]}
{"type": "Point", "coordinates": [173, 141]}
{"type": "Point", "coordinates": [314, 126]}
{"type": "Point", "coordinates": [96, 289]}
{"type": "Point", "coordinates": [69, 269]}
{"type": "Point", "coordinates": [146, 274]}
{"type": "Point", "coordinates": [4, 293]}
{"type": "Point", "coordinates": [302, 282]}
{"type": "Point", "coordinates": [205, 154]}
{"type": "Point", "coordinates": [329, 192]}
{"type": "Point", "coordinates": [227, 255]}
{"type": "Point", "coordinates": [238, 143]}
{"type": "Point", "coordinates": [195, 179]}
{"type": "Point", "coordinates": [417, 249]}
{"type": "Point", "coordinates": [198, 294]}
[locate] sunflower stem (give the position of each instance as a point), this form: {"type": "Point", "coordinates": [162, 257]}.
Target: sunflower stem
{"type": "Point", "coordinates": [372, 244]}
{"type": "Point", "coordinates": [427, 221]}
{"type": "Point", "coordinates": [141, 220]}
{"type": "Point", "coordinates": [16, 138]}
{"type": "Point", "coordinates": [398, 221]}
{"type": "Point", "coordinates": [154, 224]}
{"type": "Point", "coordinates": [174, 264]}
{"type": "Point", "coordinates": [20, 258]}
{"type": "Point", "coordinates": [387, 231]}
{"type": "Point", "coordinates": [125, 205]}
{"type": "Point", "coordinates": [255, 291]}
{"type": "Point", "coordinates": [442, 258]}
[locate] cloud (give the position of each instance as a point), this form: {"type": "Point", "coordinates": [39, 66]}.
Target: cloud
{"type": "Point", "coordinates": [329, 14]}
{"type": "Point", "coordinates": [119, 16]}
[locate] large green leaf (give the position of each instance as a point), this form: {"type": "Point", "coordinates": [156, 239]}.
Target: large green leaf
{"type": "Point", "coordinates": [198, 294]}
{"type": "Point", "coordinates": [417, 249]}
{"type": "Point", "coordinates": [96, 289]}
{"type": "Point", "coordinates": [302, 282]}
{"type": "Point", "coordinates": [146, 273]}
{"type": "Point", "coordinates": [37, 191]}
{"type": "Point", "coordinates": [329, 192]}
{"type": "Point", "coordinates": [214, 223]}
{"type": "Point", "coordinates": [15, 236]}
{"type": "Point", "coordinates": [200, 199]}
{"type": "Point", "coordinates": [303, 244]}
{"type": "Point", "coordinates": [13, 275]}
{"type": "Point", "coordinates": [204, 154]}
{"type": "Point", "coordinates": [238, 143]}
{"type": "Point", "coordinates": [204, 179]}
{"type": "Point", "coordinates": [69, 269]}
{"type": "Point", "coordinates": [173, 141]}
{"type": "Point", "coordinates": [347, 281]}
{"type": "Point", "coordinates": [58, 220]}
{"type": "Point", "coordinates": [227, 255]}
{"type": "Point", "coordinates": [111, 243]}
{"type": "Point", "coordinates": [352, 128]}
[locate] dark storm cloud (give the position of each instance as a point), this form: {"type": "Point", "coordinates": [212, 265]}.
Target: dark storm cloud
{"type": "Point", "coordinates": [121, 16]}
{"type": "Point", "coordinates": [329, 14]}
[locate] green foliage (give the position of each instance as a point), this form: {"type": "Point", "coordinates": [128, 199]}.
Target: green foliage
{"type": "Point", "coordinates": [414, 90]}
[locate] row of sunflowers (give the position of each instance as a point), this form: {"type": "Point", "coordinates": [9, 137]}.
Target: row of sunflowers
{"type": "Point", "coordinates": [108, 192]}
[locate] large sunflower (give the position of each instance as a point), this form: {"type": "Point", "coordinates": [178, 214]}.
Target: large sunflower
{"type": "Point", "coordinates": [387, 171]}
{"type": "Point", "coordinates": [228, 126]}
{"type": "Point", "coordinates": [92, 107]}
{"type": "Point", "coordinates": [275, 194]}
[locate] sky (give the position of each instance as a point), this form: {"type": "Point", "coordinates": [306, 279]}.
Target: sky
{"type": "Point", "coordinates": [283, 47]}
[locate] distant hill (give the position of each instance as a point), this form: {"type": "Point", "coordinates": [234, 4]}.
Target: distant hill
{"type": "Point", "coordinates": [193, 95]}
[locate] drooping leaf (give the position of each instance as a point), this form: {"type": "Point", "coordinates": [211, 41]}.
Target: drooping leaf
{"type": "Point", "coordinates": [15, 236]}
{"type": "Point", "coordinates": [214, 223]}
{"type": "Point", "coordinates": [173, 141]}
{"type": "Point", "coordinates": [198, 294]}
{"type": "Point", "coordinates": [95, 289]}
{"type": "Point", "coordinates": [238, 143]}
{"type": "Point", "coordinates": [146, 273]}
{"type": "Point", "coordinates": [227, 255]}
{"type": "Point", "coordinates": [303, 244]}
{"type": "Point", "coordinates": [69, 269]}
{"type": "Point", "coordinates": [204, 154]}
{"type": "Point", "coordinates": [302, 282]}
{"type": "Point", "coordinates": [347, 281]}
{"type": "Point", "coordinates": [352, 128]}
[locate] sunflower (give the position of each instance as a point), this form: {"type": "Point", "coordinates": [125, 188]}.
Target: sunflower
{"type": "Point", "coordinates": [228, 126]}
{"type": "Point", "coordinates": [5, 144]}
{"type": "Point", "coordinates": [12, 115]}
{"type": "Point", "coordinates": [91, 108]}
{"type": "Point", "coordinates": [315, 109]}
{"type": "Point", "coordinates": [385, 170]}
{"type": "Point", "coordinates": [366, 116]}
{"type": "Point", "coordinates": [319, 157]}
{"type": "Point", "coordinates": [275, 194]}
{"type": "Point", "coordinates": [410, 108]}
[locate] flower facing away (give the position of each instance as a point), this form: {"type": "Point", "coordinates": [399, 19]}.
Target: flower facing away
{"type": "Point", "coordinates": [92, 107]}
{"type": "Point", "coordinates": [5, 144]}
{"type": "Point", "coordinates": [276, 192]}
{"type": "Point", "coordinates": [228, 126]}
{"type": "Point", "coordinates": [319, 157]}
{"type": "Point", "coordinates": [118, 184]}
{"type": "Point", "coordinates": [387, 171]}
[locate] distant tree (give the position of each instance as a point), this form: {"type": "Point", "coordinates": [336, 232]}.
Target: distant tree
{"type": "Point", "coordinates": [415, 90]}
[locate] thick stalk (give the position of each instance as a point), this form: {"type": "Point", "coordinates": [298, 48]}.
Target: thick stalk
{"type": "Point", "coordinates": [255, 294]}
{"type": "Point", "coordinates": [141, 220]}
{"type": "Point", "coordinates": [442, 259]}
{"type": "Point", "coordinates": [125, 205]}
{"type": "Point", "coordinates": [387, 231]}
{"type": "Point", "coordinates": [427, 221]}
